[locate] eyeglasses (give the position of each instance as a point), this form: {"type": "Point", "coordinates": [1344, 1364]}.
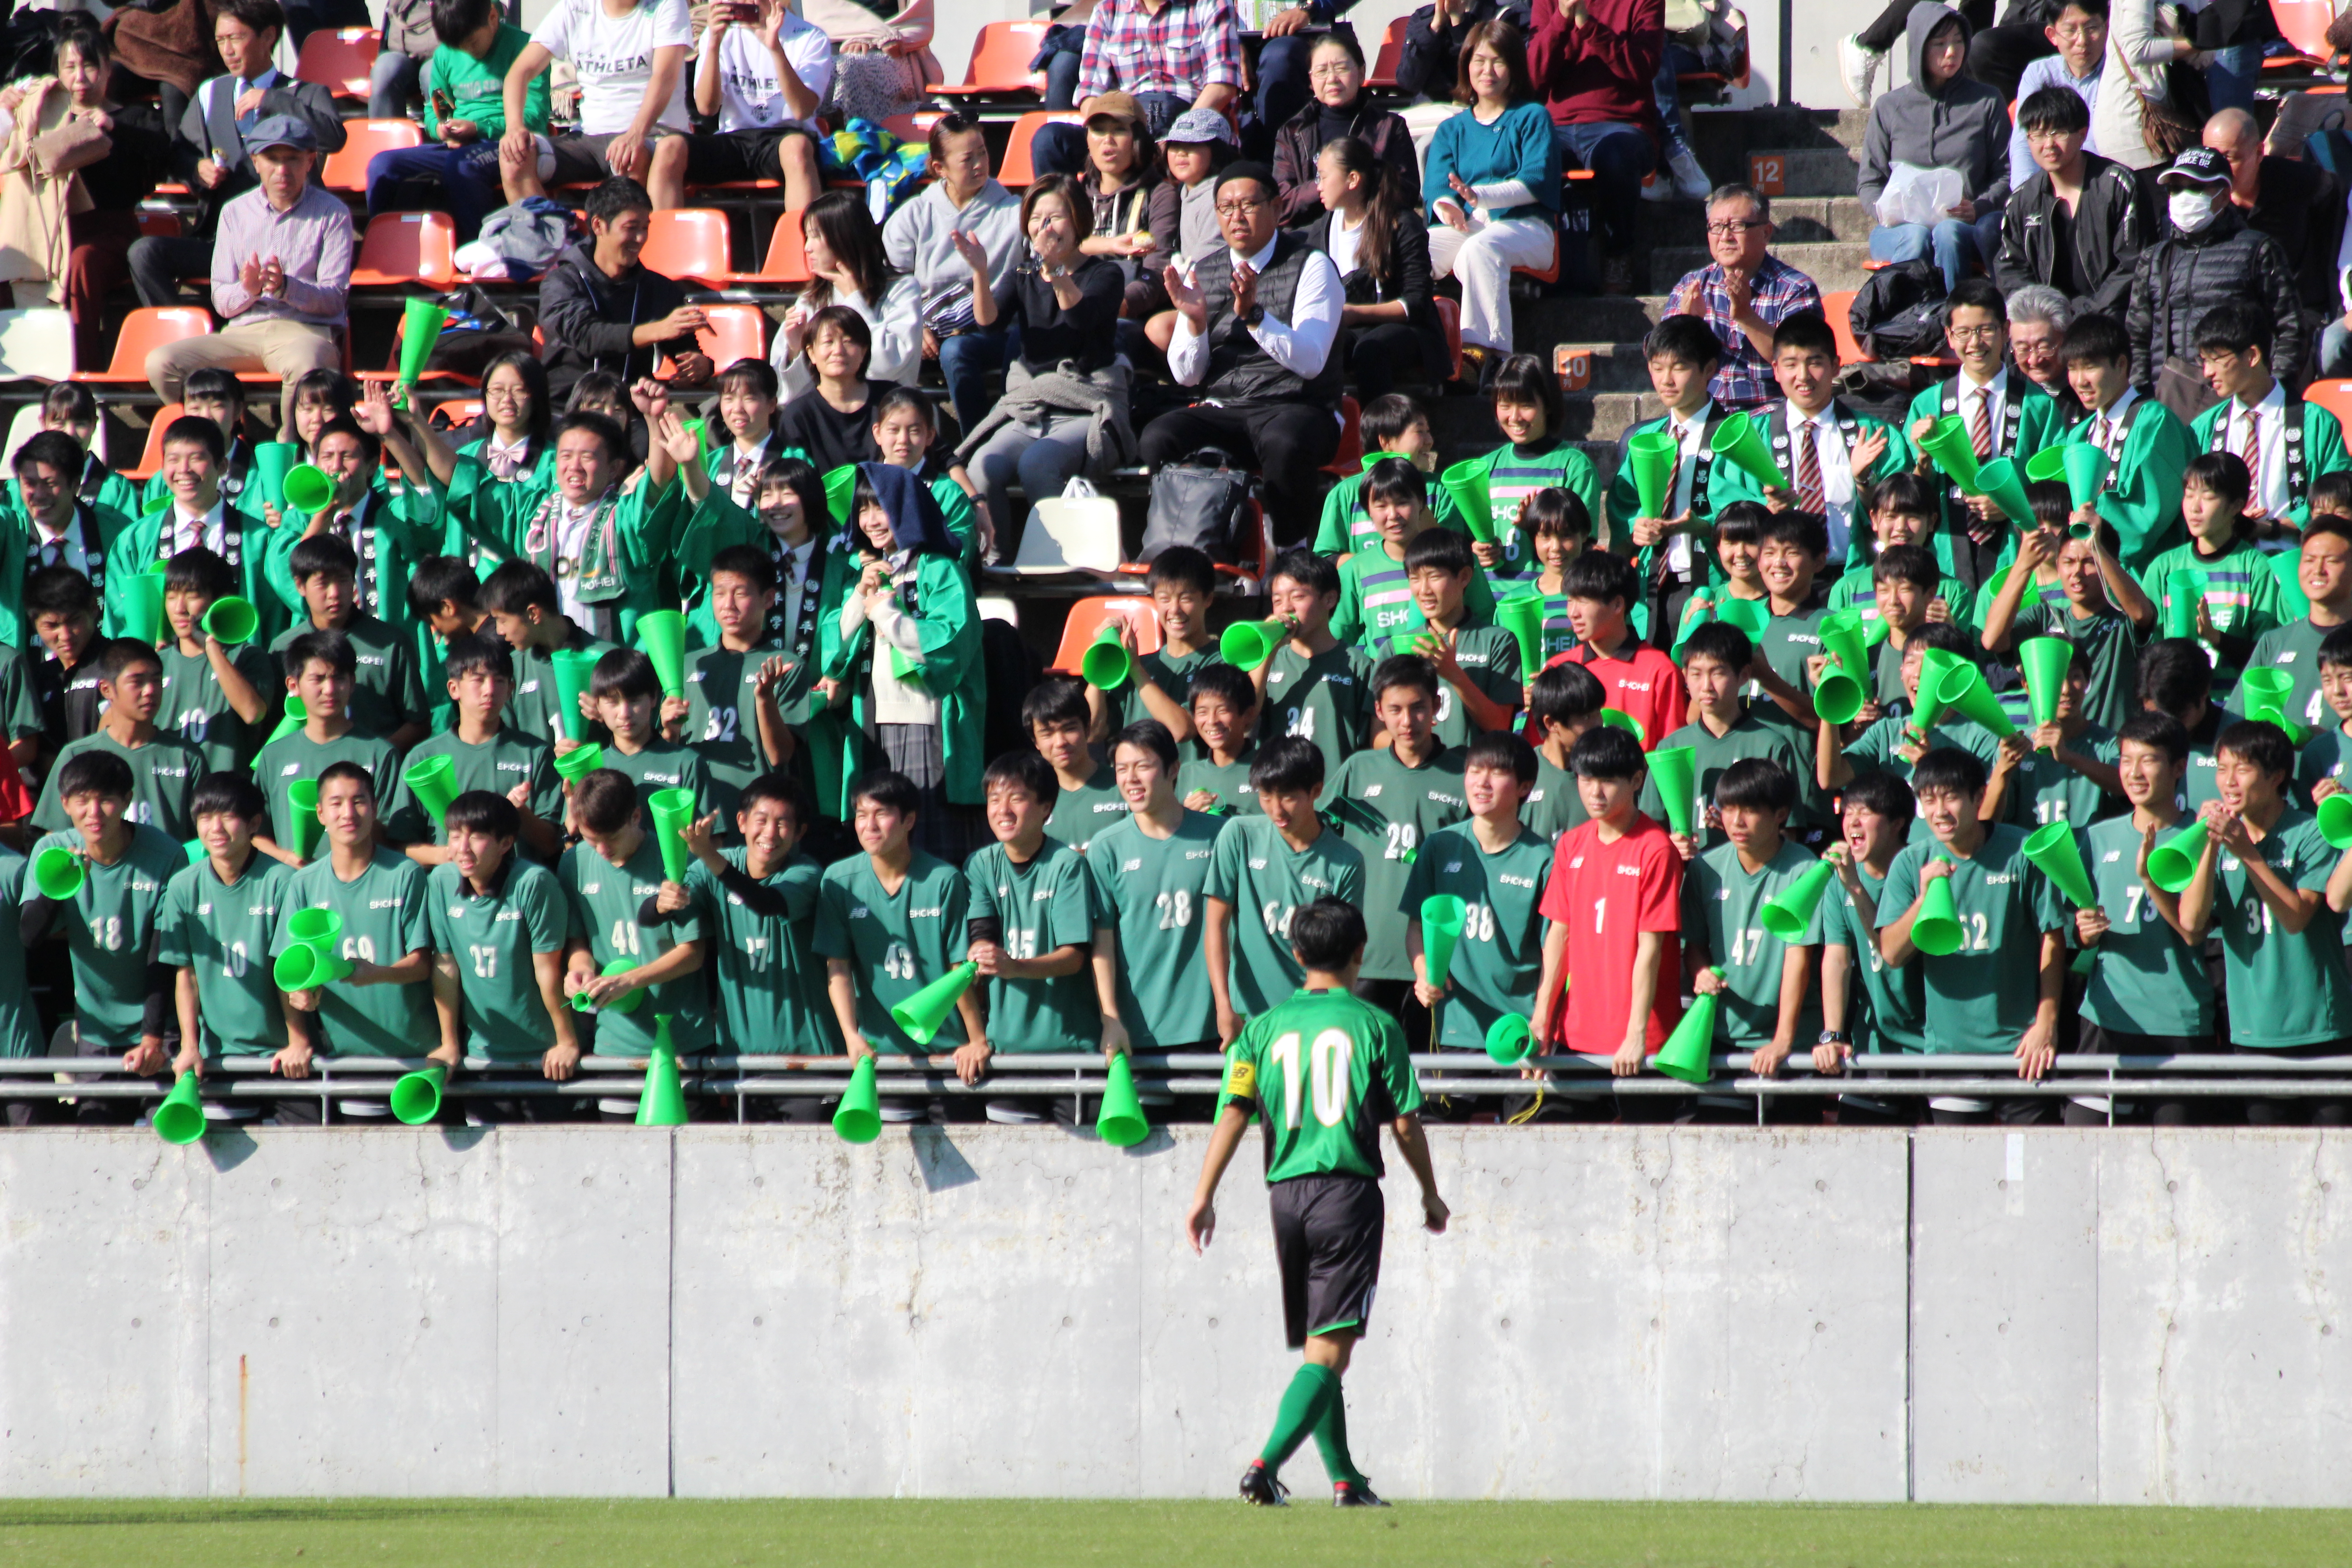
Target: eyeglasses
{"type": "Point", "coordinates": [1973, 334]}
{"type": "Point", "coordinates": [1333, 69]}
{"type": "Point", "coordinates": [1733, 229]}
{"type": "Point", "coordinates": [1240, 209]}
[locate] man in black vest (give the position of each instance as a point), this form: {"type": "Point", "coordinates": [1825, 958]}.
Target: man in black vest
{"type": "Point", "coordinates": [1257, 323]}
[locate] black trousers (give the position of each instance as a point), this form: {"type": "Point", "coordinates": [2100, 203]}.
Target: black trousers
{"type": "Point", "coordinates": [1378, 357]}
{"type": "Point", "coordinates": [2299, 1112]}
{"type": "Point", "coordinates": [1286, 443]}
{"type": "Point", "coordinates": [157, 264]}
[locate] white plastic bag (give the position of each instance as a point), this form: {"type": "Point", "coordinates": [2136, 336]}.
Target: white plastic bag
{"type": "Point", "coordinates": [1914, 194]}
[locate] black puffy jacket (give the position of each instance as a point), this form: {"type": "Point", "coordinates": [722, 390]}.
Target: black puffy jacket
{"type": "Point", "coordinates": [2182, 276]}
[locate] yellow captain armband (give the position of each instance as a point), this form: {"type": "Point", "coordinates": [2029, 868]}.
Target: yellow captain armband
{"type": "Point", "coordinates": [1240, 1080]}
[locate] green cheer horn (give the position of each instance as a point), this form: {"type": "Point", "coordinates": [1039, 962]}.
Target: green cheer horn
{"type": "Point", "coordinates": [1120, 1122]}
{"type": "Point", "coordinates": [305, 968]}
{"type": "Point", "coordinates": [663, 1103]}
{"type": "Point", "coordinates": [841, 493]}
{"type": "Point", "coordinates": [2057, 856]}
{"type": "Point", "coordinates": [574, 669]}
{"type": "Point", "coordinates": [416, 1097]}
{"type": "Point", "coordinates": [316, 927]}
{"type": "Point", "coordinates": [1999, 479]}
{"type": "Point", "coordinates": [2184, 591]}
{"type": "Point", "coordinates": [858, 1119]}
{"type": "Point", "coordinates": [1689, 1051]}
{"type": "Point", "coordinates": [231, 621]}
{"type": "Point", "coordinates": [1964, 692]}
{"type": "Point", "coordinates": [434, 782]}
{"type": "Point", "coordinates": [2083, 466]}
{"type": "Point", "coordinates": [1467, 483]}
{"type": "Point", "coordinates": [1523, 617]}
{"type": "Point", "coordinates": [181, 1118]}
{"type": "Point", "coordinates": [673, 812]}
{"type": "Point", "coordinates": [1839, 693]}
{"type": "Point", "coordinates": [1677, 770]}
{"type": "Point", "coordinates": [142, 608]}
{"type": "Point", "coordinates": [2267, 692]}
{"type": "Point", "coordinates": [1106, 664]}
{"type": "Point", "coordinates": [309, 490]}
{"type": "Point", "coordinates": [1509, 1039]}
{"type": "Point", "coordinates": [302, 805]}
{"type": "Point", "coordinates": [420, 328]}
{"type": "Point", "coordinates": [1245, 644]}
{"type": "Point", "coordinates": [2046, 662]}
{"type": "Point", "coordinates": [291, 719]}
{"type": "Point", "coordinates": [2336, 820]}
{"type": "Point", "coordinates": [629, 1002]}
{"type": "Point", "coordinates": [1653, 456]}
{"type": "Point", "coordinates": [662, 635]}
{"type": "Point", "coordinates": [580, 761]}
{"type": "Point", "coordinates": [921, 1014]}
{"type": "Point", "coordinates": [1937, 669]}
{"type": "Point", "coordinates": [272, 462]}
{"type": "Point", "coordinates": [1751, 616]}
{"type": "Point", "coordinates": [1739, 442]}
{"type": "Point", "coordinates": [156, 505]}
{"type": "Point", "coordinates": [2172, 863]}
{"type": "Point", "coordinates": [1618, 719]}
{"type": "Point", "coordinates": [1937, 929]}
{"type": "Point", "coordinates": [197, 850]}
{"type": "Point", "coordinates": [1953, 451]}
{"type": "Point", "coordinates": [1441, 928]}
{"type": "Point", "coordinates": [1787, 916]}
{"type": "Point", "coordinates": [58, 873]}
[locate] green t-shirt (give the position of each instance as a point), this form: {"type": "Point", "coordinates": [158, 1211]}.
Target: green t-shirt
{"type": "Point", "coordinates": [1489, 657]}
{"type": "Point", "coordinates": [164, 773]}
{"type": "Point", "coordinates": [493, 938]}
{"type": "Point", "coordinates": [1722, 904]}
{"type": "Point", "coordinates": [2293, 649]}
{"type": "Point", "coordinates": [1385, 810]}
{"type": "Point", "coordinates": [1153, 896]}
{"type": "Point", "coordinates": [1325, 1069]}
{"type": "Point", "coordinates": [1257, 873]}
{"type": "Point", "coordinates": [722, 723]}
{"type": "Point", "coordinates": [297, 756]}
{"type": "Point", "coordinates": [507, 758]}
{"type": "Point", "coordinates": [1857, 591]}
{"type": "Point", "coordinates": [895, 943]}
{"type": "Point", "coordinates": [196, 708]}
{"type": "Point", "coordinates": [605, 901]}
{"type": "Point", "coordinates": [1327, 699]}
{"type": "Point", "coordinates": [224, 932]}
{"type": "Point", "coordinates": [1079, 813]}
{"type": "Point", "coordinates": [1172, 673]}
{"type": "Point", "coordinates": [1982, 996]}
{"type": "Point", "coordinates": [772, 993]}
{"type": "Point", "coordinates": [387, 692]}
{"type": "Point", "coordinates": [2285, 988]}
{"type": "Point", "coordinates": [110, 926]}
{"type": "Point", "coordinates": [533, 711]}
{"type": "Point", "coordinates": [1498, 960]}
{"type": "Point", "coordinates": [1229, 782]}
{"type": "Point", "coordinates": [20, 1022]}
{"type": "Point", "coordinates": [1376, 603]}
{"type": "Point", "coordinates": [2112, 642]}
{"type": "Point", "coordinates": [2324, 756]}
{"type": "Point", "coordinates": [2045, 790]}
{"type": "Point", "coordinates": [664, 764]}
{"type": "Point", "coordinates": [1039, 907]}
{"type": "Point", "coordinates": [1554, 805]}
{"type": "Point", "coordinates": [1748, 737]}
{"type": "Point", "coordinates": [1876, 748]}
{"type": "Point", "coordinates": [2144, 979]}
{"type": "Point", "coordinates": [384, 910]}
{"type": "Point", "coordinates": [1889, 1014]}
{"type": "Point", "coordinates": [2242, 595]}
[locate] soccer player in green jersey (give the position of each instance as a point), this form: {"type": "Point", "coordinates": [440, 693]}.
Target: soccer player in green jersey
{"type": "Point", "coordinates": [530, 619]}
{"type": "Point", "coordinates": [1764, 982]}
{"type": "Point", "coordinates": [387, 698]}
{"type": "Point", "coordinates": [1903, 508]}
{"type": "Point", "coordinates": [1867, 1006]}
{"type": "Point", "coordinates": [2319, 769]}
{"type": "Point", "coordinates": [1183, 584]}
{"type": "Point", "coordinates": [1223, 703]}
{"type": "Point", "coordinates": [1395, 423]}
{"type": "Point", "coordinates": [165, 769]}
{"type": "Point", "coordinates": [320, 666]}
{"type": "Point", "coordinates": [2323, 573]}
{"type": "Point", "coordinates": [1322, 1070]}
{"type": "Point", "coordinates": [1314, 687]}
{"type": "Point", "coordinates": [215, 698]}
{"type": "Point", "coordinates": [2103, 613]}
{"type": "Point", "coordinates": [500, 927]}
{"type": "Point", "coordinates": [736, 693]}
{"type": "Point", "coordinates": [627, 697]}
{"type": "Point", "coordinates": [485, 753]}
{"type": "Point", "coordinates": [1477, 667]}
{"type": "Point", "coordinates": [889, 923]}
{"type": "Point", "coordinates": [1717, 658]}
{"type": "Point", "coordinates": [1999, 989]}
{"type": "Point", "coordinates": [1791, 549]}
{"type": "Point", "coordinates": [1496, 867]}
{"type": "Point", "coordinates": [1559, 531]}
{"type": "Point", "coordinates": [1565, 700]}
{"type": "Point", "coordinates": [1266, 868]}
{"type": "Point", "coordinates": [2176, 678]}
{"type": "Point", "coordinates": [220, 916]}
{"type": "Point", "coordinates": [1152, 877]}
{"type": "Point", "coordinates": [2069, 776]}
{"type": "Point", "coordinates": [444, 597]}
{"type": "Point", "coordinates": [1057, 719]}
{"type": "Point", "coordinates": [1906, 579]}
{"type": "Point", "coordinates": [1892, 743]}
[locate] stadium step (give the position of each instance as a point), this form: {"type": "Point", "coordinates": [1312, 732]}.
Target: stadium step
{"type": "Point", "coordinates": [1832, 266]}
{"type": "Point", "coordinates": [1801, 220]}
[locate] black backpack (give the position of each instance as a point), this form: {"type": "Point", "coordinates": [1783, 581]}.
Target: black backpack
{"type": "Point", "coordinates": [1898, 311]}
{"type": "Point", "coordinates": [1203, 501]}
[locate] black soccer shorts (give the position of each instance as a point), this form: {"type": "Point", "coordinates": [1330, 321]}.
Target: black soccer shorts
{"type": "Point", "coordinates": [1326, 1242]}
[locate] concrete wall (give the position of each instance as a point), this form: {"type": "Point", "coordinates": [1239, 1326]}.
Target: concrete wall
{"type": "Point", "coordinates": [2053, 1316]}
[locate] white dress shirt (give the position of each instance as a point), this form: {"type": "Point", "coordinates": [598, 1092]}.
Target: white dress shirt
{"type": "Point", "coordinates": [1299, 346]}
{"type": "Point", "coordinates": [1971, 394]}
{"type": "Point", "coordinates": [2270, 491]}
{"type": "Point", "coordinates": [46, 549]}
{"type": "Point", "coordinates": [1837, 474]}
{"type": "Point", "coordinates": [189, 531]}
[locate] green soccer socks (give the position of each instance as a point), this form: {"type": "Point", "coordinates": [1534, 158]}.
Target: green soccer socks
{"type": "Point", "coordinates": [1331, 1440]}
{"type": "Point", "coordinates": [1304, 1405]}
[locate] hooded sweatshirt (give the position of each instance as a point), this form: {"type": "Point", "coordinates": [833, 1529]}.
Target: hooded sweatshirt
{"type": "Point", "coordinates": [591, 318]}
{"type": "Point", "coordinates": [1959, 124]}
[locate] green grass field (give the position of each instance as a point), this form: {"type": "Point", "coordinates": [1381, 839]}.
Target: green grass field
{"type": "Point", "coordinates": [556, 1534]}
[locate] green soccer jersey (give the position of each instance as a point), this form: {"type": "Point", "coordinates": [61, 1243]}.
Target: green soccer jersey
{"type": "Point", "coordinates": [895, 943]}
{"type": "Point", "coordinates": [20, 707]}
{"type": "Point", "coordinates": [2240, 596]}
{"type": "Point", "coordinates": [2285, 988]}
{"type": "Point", "coordinates": [2322, 757]}
{"type": "Point", "coordinates": [384, 911]}
{"type": "Point", "coordinates": [1229, 782]}
{"type": "Point", "coordinates": [722, 723]}
{"type": "Point", "coordinates": [110, 926]}
{"type": "Point", "coordinates": [534, 710]}
{"type": "Point", "coordinates": [1553, 805]}
{"type": "Point", "coordinates": [1750, 737]}
{"type": "Point", "coordinates": [2144, 979]}
{"type": "Point", "coordinates": [1786, 643]}
{"type": "Point", "coordinates": [663, 764]}
{"type": "Point", "coordinates": [1154, 899]}
{"type": "Point", "coordinates": [2044, 790]}
{"type": "Point", "coordinates": [1489, 657]}
{"type": "Point", "coordinates": [1258, 874]}
{"type": "Point", "coordinates": [196, 708]}
{"type": "Point", "coordinates": [1037, 906]}
{"type": "Point", "coordinates": [493, 938]}
{"type": "Point", "coordinates": [20, 1022]}
{"type": "Point", "coordinates": [1325, 1069]}
{"type": "Point", "coordinates": [164, 773]}
{"type": "Point", "coordinates": [2292, 649]}
{"type": "Point", "coordinates": [1172, 672]}
{"type": "Point", "coordinates": [605, 901]}
{"type": "Point", "coordinates": [1327, 699]}
{"type": "Point", "coordinates": [222, 933]}
{"type": "Point", "coordinates": [1983, 996]}
{"type": "Point", "coordinates": [770, 984]}
{"type": "Point", "coordinates": [1889, 1014]}
{"type": "Point", "coordinates": [1386, 811]}
{"type": "Point", "coordinates": [1878, 748]}
{"type": "Point", "coordinates": [2113, 642]}
{"type": "Point", "coordinates": [1498, 960]}
{"type": "Point", "coordinates": [507, 758]}
{"type": "Point", "coordinates": [387, 692]}
{"type": "Point", "coordinates": [1079, 813]}
{"type": "Point", "coordinates": [1376, 603]}
{"type": "Point", "coordinates": [1723, 910]}
{"type": "Point", "coordinates": [297, 756]}
{"type": "Point", "coordinates": [1857, 590]}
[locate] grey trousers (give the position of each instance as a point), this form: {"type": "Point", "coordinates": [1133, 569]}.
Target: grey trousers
{"type": "Point", "coordinates": [1042, 458]}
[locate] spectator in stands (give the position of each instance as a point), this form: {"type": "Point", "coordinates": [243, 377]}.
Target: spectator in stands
{"type": "Point", "coordinates": [1169, 55]}
{"type": "Point", "coordinates": [1260, 321]}
{"type": "Point", "coordinates": [1682, 177]}
{"type": "Point", "coordinates": [764, 72]}
{"type": "Point", "coordinates": [2300, 204]}
{"type": "Point", "coordinates": [1335, 72]}
{"type": "Point", "coordinates": [2038, 315]}
{"type": "Point", "coordinates": [1596, 63]}
{"type": "Point", "coordinates": [1939, 119]}
{"type": "Point", "coordinates": [1122, 168]}
{"type": "Point", "coordinates": [1185, 202]}
{"type": "Point", "coordinates": [1492, 185]}
{"type": "Point", "coordinates": [883, 63]}
{"type": "Point", "coordinates": [1742, 294]}
{"type": "Point", "coordinates": [1429, 60]}
{"type": "Point", "coordinates": [281, 265]}
{"type": "Point", "coordinates": [1997, 56]}
{"type": "Point", "coordinates": [829, 420]}
{"type": "Point", "coordinates": [409, 40]}
{"type": "Point", "coordinates": [2143, 40]}
{"type": "Point", "coordinates": [1065, 406]}
{"type": "Point", "coordinates": [1382, 250]}
{"type": "Point", "coordinates": [2077, 223]}
{"type": "Point", "coordinates": [211, 149]}
{"type": "Point", "coordinates": [962, 200]}
{"type": "Point", "coordinates": [464, 118]}
{"type": "Point", "coordinates": [602, 309]}
{"type": "Point", "coordinates": [1054, 71]}
{"type": "Point", "coordinates": [2207, 255]}
{"type": "Point", "coordinates": [2079, 34]}
{"type": "Point", "coordinates": [850, 267]}
{"type": "Point", "coordinates": [629, 58]}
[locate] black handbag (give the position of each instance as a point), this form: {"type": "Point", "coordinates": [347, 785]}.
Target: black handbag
{"type": "Point", "coordinates": [1202, 502]}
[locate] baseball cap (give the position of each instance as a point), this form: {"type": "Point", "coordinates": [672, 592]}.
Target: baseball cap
{"type": "Point", "coordinates": [2197, 166]}
{"type": "Point", "coordinates": [282, 131]}
{"type": "Point", "coordinates": [1118, 105]}
{"type": "Point", "coordinates": [1200, 126]}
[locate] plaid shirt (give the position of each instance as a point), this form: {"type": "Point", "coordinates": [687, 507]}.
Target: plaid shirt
{"type": "Point", "coordinates": [1778, 291]}
{"type": "Point", "coordinates": [1188, 45]}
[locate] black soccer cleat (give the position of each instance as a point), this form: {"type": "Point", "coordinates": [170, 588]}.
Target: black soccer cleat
{"type": "Point", "coordinates": [1357, 1494]}
{"type": "Point", "coordinates": [1258, 1485]}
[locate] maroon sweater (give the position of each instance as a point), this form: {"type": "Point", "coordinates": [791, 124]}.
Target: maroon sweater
{"type": "Point", "coordinates": [1600, 70]}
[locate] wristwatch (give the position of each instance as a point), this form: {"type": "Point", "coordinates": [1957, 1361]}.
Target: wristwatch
{"type": "Point", "coordinates": [1834, 1037]}
{"type": "Point", "coordinates": [1256, 314]}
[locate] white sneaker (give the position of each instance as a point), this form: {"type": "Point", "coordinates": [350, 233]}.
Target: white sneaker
{"type": "Point", "coordinates": [1660, 187]}
{"type": "Point", "coordinates": [1690, 180]}
{"type": "Point", "coordinates": [1857, 67]}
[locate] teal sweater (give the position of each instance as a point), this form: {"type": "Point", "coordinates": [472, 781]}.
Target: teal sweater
{"type": "Point", "coordinates": [476, 88]}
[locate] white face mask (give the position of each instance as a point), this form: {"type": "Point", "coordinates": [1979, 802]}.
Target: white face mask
{"type": "Point", "coordinates": [2192, 209]}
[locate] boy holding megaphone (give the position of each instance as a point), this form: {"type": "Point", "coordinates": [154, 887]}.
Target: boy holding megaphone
{"type": "Point", "coordinates": [215, 695]}
{"type": "Point", "coordinates": [2105, 614]}
{"type": "Point", "coordinates": [1752, 919]}
{"type": "Point", "coordinates": [1718, 661]}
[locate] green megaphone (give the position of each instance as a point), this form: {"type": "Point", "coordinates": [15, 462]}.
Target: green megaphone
{"type": "Point", "coordinates": [1523, 617]}
{"type": "Point", "coordinates": [2336, 820]}
{"type": "Point", "coordinates": [1787, 917]}
{"type": "Point", "coordinates": [2172, 863]}
{"type": "Point", "coordinates": [1739, 441]}
{"type": "Point", "coordinates": [1106, 664]}
{"type": "Point", "coordinates": [319, 928]}
{"type": "Point", "coordinates": [1954, 452]}
{"type": "Point", "coordinates": [2083, 466]}
{"type": "Point", "coordinates": [629, 1001]}
{"type": "Point", "coordinates": [1441, 928]}
{"type": "Point", "coordinates": [1509, 1039]}
{"type": "Point", "coordinates": [416, 1097]}
{"type": "Point", "coordinates": [574, 669]}
{"type": "Point", "coordinates": [1964, 692]}
{"type": "Point", "coordinates": [859, 1119]}
{"type": "Point", "coordinates": [58, 873]}
{"type": "Point", "coordinates": [1937, 669]}
{"type": "Point", "coordinates": [663, 1102]}
{"type": "Point", "coordinates": [142, 608]}
{"type": "Point", "coordinates": [2046, 662]}
{"type": "Point", "coordinates": [309, 490]}
{"type": "Point", "coordinates": [1120, 1122]}
{"type": "Point", "coordinates": [272, 462]}
{"type": "Point", "coordinates": [2055, 852]}
{"type": "Point", "coordinates": [921, 1014]}
{"type": "Point", "coordinates": [1653, 456]}
{"type": "Point", "coordinates": [662, 635]}
{"type": "Point", "coordinates": [1840, 692]}
{"type": "Point", "coordinates": [1677, 770]}
{"type": "Point", "coordinates": [1751, 616]}
{"type": "Point", "coordinates": [433, 782]}
{"type": "Point", "coordinates": [302, 805]}
{"type": "Point", "coordinates": [1467, 483]}
{"type": "Point", "coordinates": [1618, 719]}
{"type": "Point", "coordinates": [2000, 481]}
{"type": "Point", "coordinates": [2184, 592]}
{"type": "Point", "coordinates": [1936, 931]}
{"type": "Point", "coordinates": [580, 761]}
{"type": "Point", "coordinates": [293, 718]}
{"type": "Point", "coordinates": [1688, 1053]}
{"type": "Point", "coordinates": [672, 812]}
{"type": "Point", "coordinates": [420, 328]}
{"type": "Point", "coordinates": [841, 493]}
{"type": "Point", "coordinates": [1245, 644]}
{"type": "Point", "coordinates": [305, 968]}
{"type": "Point", "coordinates": [181, 1118]}
{"type": "Point", "coordinates": [2267, 692]}
{"type": "Point", "coordinates": [231, 621]}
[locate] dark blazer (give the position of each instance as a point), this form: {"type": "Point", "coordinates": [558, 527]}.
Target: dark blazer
{"type": "Point", "coordinates": [1408, 278]}
{"type": "Point", "coordinates": [210, 125]}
